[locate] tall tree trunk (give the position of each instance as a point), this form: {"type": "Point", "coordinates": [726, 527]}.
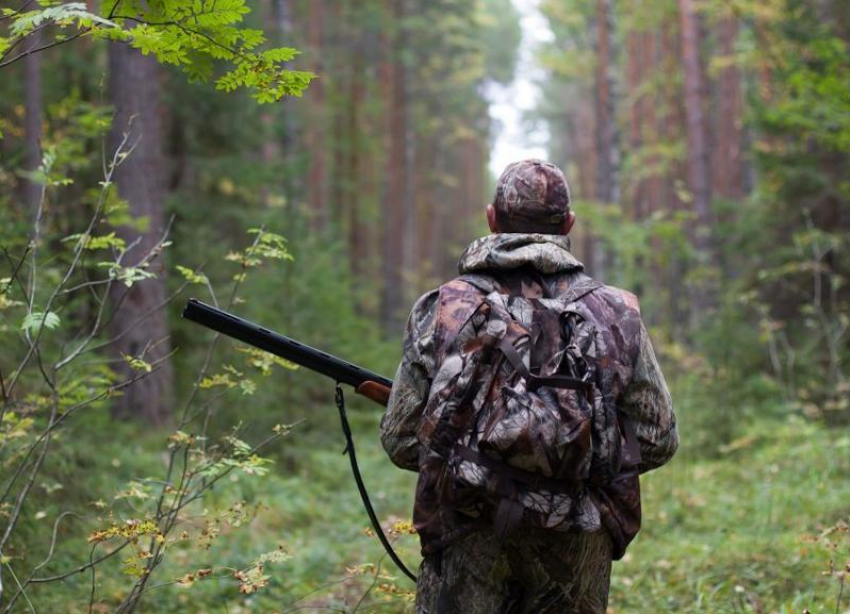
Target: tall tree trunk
{"type": "Point", "coordinates": [270, 148]}
{"type": "Point", "coordinates": [727, 164]}
{"type": "Point", "coordinates": [428, 210]}
{"type": "Point", "coordinates": [673, 125]}
{"type": "Point", "coordinates": [409, 262]}
{"type": "Point", "coordinates": [395, 97]}
{"type": "Point", "coordinates": [289, 182]}
{"type": "Point", "coordinates": [356, 242]}
{"type": "Point", "coordinates": [699, 170]}
{"type": "Point", "coordinates": [634, 79]}
{"type": "Point", "coordinates": [341, 39]}
{"type": "Point", "coordinates": [317, 179]}
{"type": "Point", "coordinates": [139, 322]}
{"type": "Point", "coordinates": [580, 131]}
{"type": "Point", "coordinates": [33, 109]}
{"type": "Point", "coordinates": [607, 133]}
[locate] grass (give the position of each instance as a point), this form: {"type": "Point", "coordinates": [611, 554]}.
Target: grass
{"type": "Point", "coordinates": [744, 532]}
{"type": "Point", "coordinates": [741, 530]}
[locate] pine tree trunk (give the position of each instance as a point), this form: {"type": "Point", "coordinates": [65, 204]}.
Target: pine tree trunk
{"type": "Point", "coordinates": [580, 133]}
{"type": "Point", "coordinates": [282, 11]}
{"type": "Point", "coordinates": [316, 141]}
{"type": "Point", "coordinates": [607, 133]}
{"type": "Point", "coordinates": [140, 324]}
{"type": "Point", "coordinates": [394, 202]}
{"type": "Point", "coordinates": [727, 164]}
{"type": "Point", "coordinates": [699, 171]}
{"type": "Point", "coordinates": [634, 79]}
{"type": "Point", "coordinates": [356, 242]}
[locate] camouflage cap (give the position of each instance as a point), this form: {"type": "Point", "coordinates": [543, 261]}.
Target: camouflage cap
{"type": "Point", "coordinates": [532, 196]}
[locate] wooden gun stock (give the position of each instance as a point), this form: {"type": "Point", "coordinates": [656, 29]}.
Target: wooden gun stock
{"type": "Point", "coordinates": [375, 392]}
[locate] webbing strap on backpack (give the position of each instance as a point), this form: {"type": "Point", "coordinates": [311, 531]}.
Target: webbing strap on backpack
{"type": "Point", "coordinates": [535, 381]}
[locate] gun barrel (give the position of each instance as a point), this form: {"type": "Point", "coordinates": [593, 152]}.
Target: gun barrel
{"type": "Point", "coordinates": [308, 357]}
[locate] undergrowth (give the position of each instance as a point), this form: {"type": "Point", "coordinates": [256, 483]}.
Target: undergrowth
{"type": "Point", "coordinates": [758, 527]}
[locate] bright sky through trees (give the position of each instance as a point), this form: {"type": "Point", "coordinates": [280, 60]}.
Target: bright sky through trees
{"type": "Point", "coordinates": [516, 138]}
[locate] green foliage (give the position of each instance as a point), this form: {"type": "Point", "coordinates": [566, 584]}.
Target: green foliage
{"type": "Point", "coordinates": [193, 36]}
{"type": "Point", "coordinates": [51, 381]}
{"type": "Point", "coordinates": [35, 320]}
{"type": "Point", "coordinates": [763, 521]}
{"type": "Point", "coordinates": [762, 527]}
{"type": "Point", "coordinates": [769, 335]}
{"type": "Point", "coordinates": [638, 250]}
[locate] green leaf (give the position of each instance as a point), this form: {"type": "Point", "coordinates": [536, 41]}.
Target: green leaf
{"type": "Point", "coordinates": [191, 276]}
{"type": "Point", "coordinates": [126, 275]}
{"type": "Point", "coordinates": [34, 321]}
{"type": "Point", "coordinates": [137, 364]}
{"type": "Point", "coordinates": [63, 15]}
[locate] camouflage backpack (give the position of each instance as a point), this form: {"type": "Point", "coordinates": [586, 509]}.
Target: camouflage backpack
{"type": "Point", "coordinates": [516, 427]}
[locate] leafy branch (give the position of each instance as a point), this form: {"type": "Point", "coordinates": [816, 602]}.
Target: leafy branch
{"type": "Point", "coordinates": [194, 36]}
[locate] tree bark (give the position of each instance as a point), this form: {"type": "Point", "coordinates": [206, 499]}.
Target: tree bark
{"type": "Point", "coordinates": [580, 135]}
{"type": "Point", "coordinates": [316, 176]}
{"type": "Point", "coordinates": [727, 164]}
{"type": "Point", "coordinates": [139, 320]}
{"type": "Point", "coordinates": [393, 75]}
{"type": "Point", "coordinates": [699, 171]}
{"type": "Point", "coordinates": [634, 79]}
{"type": "Point", "coordinates": [607, 134]}
{"type": "Point", "coordinates": [290, 182]}
{"type": "Point", "coordinates": [673, 125]}
{"type": "Point", "coordinates": [356, 242]}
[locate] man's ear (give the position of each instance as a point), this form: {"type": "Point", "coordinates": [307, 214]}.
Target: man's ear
{"type": "Point", "coordinates": [491, 219]}
{"type": "Point", "coordinates": [568, 223]}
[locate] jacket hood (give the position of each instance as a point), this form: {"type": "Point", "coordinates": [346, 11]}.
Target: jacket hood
{"type": "Point", "coordinates": [546, 253]}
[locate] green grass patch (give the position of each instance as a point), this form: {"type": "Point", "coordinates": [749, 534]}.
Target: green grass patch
{"type": "Point", "coordinates": [744, 530]}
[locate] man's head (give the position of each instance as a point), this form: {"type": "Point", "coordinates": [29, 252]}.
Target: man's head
{"type": "Point", "coordinates": [531, 196]}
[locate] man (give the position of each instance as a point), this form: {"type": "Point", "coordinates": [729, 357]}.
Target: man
{"type": "Point", "coordinates": [467, 568]}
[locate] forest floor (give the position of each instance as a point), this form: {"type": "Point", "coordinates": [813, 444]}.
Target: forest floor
{"type": "Point", "coordinates": [748, 528]}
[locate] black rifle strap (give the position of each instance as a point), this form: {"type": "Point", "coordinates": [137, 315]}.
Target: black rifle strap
{"type": "Point", "coordinates": [355, 469]}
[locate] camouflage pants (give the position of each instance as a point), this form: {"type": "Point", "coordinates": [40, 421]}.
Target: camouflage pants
{"type": "Point", "coordinates": [531, 572]}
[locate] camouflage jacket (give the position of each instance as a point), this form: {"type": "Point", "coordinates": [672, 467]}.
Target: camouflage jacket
{"type": "Point", "coordinates": [633, 377]}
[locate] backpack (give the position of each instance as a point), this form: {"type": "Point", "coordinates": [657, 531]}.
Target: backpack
{"type": "Point", "coordinates": [516, 421]}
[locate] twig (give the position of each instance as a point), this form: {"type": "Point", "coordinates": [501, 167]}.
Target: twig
{"type": "Point", "coordinates": [93, 569]}
{"type": "Point", "coordinates": [55, 43]}
{"type": "Point", "coordinates": [71, 268]}
{"type": "Point", "coordinates": [371, 586]}
{"type": "Point", "coordinates": [19, 503]}
{"type": "Point", "coordinates": [186, 30]}
{"type": "Point", "coordinates": [82, 568]}
{"type": "Point", "coordinates": [319, 588]}
{"type": "Point", "coordinates": [21, 588]}
{"type": "Point", "coordinates": [17, 12]}
{"type": "Point", "coordinates": [24, 37]}
{"type": "Point", "coordinates": [52, 542]}
{"type": "Point", "coordinates": [68, 413]}
{"type": "Point", "coordinates": [142, 318]}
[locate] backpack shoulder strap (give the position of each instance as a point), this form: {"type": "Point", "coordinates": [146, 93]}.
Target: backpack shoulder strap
{"type": "Point", "coordinates": [580, 288]}
{"type": "Point", "coordinates": [458, 300]}
{"type": "Point", "coordinates": [483, 283]}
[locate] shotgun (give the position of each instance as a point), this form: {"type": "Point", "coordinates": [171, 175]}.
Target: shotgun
{"type": "Point", "coordinates": [366, 383]}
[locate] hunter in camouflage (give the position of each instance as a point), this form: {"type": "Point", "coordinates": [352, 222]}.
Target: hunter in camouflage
{"type": "Point", "coordinates": [467, 568]}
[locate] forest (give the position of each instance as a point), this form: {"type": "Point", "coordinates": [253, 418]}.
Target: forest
{"type": "Point", "coordinates": [315, 166]}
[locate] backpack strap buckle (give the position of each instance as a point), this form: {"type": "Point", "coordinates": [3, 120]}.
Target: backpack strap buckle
{"type": "Point", "coordinates": [533, 382]}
